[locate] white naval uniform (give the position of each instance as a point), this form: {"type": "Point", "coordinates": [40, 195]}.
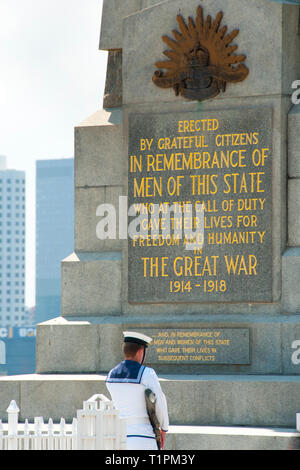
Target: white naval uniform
{"type": "Point", "coordinates": [126, 384]}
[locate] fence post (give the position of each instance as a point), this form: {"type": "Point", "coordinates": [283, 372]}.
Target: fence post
{"type": "Point", "coordinates": [1, 436]}
{"type": "Point", "coordinates": [13, 413]}
{"type": "Point", "coordinates": [74, 434]}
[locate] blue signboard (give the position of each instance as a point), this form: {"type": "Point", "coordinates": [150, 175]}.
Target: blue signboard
{"type": "Point", "coordinates": [17, 350]}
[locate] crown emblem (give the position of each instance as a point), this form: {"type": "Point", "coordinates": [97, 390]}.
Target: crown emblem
{"type": "Point", "coordinates": [201, 59]}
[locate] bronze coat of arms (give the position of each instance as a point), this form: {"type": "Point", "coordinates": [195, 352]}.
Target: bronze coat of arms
{"type": "Point", "coordinates": [201, 59]}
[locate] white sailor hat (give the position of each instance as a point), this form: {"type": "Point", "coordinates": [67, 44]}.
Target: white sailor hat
{"type": "Point", "coordinates": [134, 337]}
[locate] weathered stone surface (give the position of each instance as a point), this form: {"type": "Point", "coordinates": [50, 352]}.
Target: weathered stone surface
{"type": "Point", "coordinates": [98, 149]}
{"type": "Point", "coordinates": [113, 94]}
{"type": "Point", "coordinates": [9, 390]}
{"type": "Point", "coordinates": [231, 438]}
{"type": "Point", "coordinates": [112, 16]}
{"type": "Point", "coordinates": [91, 284]}
{"type": "Point", "coordinates": [255, 398]}
{"type": "Point", "coordinates": [87, 200]}
{"type": "Point", "coordinates": [291, 280]}
{"type": "Point", "coordinates": [294, 212]}
{"type": "Point", "coordinates": [91, 347]}
{"type": "Point", "coordinates": [142, 46]}
{"type": "Point", "coordinates": [75, 355]}
{"type": "Point", "coordinates": [294, 142]}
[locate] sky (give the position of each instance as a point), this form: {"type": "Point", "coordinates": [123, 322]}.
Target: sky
{"type": "Point", "coordinates": [52, 77]}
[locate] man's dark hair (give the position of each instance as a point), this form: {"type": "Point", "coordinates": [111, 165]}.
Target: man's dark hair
{"type": "Point", "coordinates": [130, 349]}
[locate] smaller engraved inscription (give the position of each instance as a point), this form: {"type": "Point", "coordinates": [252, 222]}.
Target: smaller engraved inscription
{"type": "Point", "coordinates": [201, 59]}
{"type": "Point", "coordinates": [199, 346]}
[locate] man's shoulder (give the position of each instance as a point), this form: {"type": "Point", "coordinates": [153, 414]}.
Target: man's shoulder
{"type": "Point", "coordinates": [126, 371]}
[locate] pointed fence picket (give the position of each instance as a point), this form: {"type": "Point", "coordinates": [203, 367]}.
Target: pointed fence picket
{"type": "Point", "coordinates": [98, 426]}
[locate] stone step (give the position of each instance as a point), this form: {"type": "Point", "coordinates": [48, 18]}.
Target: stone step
{"type": "Point", "coordinates": [197, 438]}
{"type": "Point", "coordinates": [252, 401]}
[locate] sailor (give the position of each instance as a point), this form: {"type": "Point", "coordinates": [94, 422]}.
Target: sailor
{"type": "Point", "coordinates": [127, 384]}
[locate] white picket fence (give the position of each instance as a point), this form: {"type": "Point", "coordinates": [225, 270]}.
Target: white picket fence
{"type": "Point", "coordinates": [98, 426]}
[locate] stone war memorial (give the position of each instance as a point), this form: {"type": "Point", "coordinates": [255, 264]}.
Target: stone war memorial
{"type": "Point", "coordinates": [187, 224]}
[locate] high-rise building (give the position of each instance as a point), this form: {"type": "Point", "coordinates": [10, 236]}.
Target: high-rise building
{"type": "Point", "coordinates": [12, 246]}
{"type": "Point", "coordinates": [54, 231]}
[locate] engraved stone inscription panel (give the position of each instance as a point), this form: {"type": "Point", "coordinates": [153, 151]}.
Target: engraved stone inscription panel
{"type": "Point", "coordinates": [199, 346]}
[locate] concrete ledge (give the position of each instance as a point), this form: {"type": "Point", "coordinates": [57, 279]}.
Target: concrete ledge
{"type": "Point", "coordinates": [252, 401]}
{"type": "Point", "coordinates": [294, 142]}
{"type": "Point", "coordinates": [231, 438]}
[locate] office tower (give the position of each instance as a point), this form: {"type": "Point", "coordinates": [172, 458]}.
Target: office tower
{"type": "Point", "coordinates": [54, 231]}
{"type": "Point", "coordinates": [12, 246]}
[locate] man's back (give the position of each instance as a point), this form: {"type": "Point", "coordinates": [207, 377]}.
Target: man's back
{"type": "Point", "coordinates": [127, 383]}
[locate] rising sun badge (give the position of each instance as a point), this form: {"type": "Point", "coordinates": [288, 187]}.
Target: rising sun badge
{"type": "Point", "coordinates": [201, 59]}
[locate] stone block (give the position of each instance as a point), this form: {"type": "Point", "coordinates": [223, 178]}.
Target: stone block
{"type": "Point", "coordinates": [291, 280]}
{"type": "Point", "coordinates": [252, 401]}
{"type": "Point", "coordinates": [98, 149]}
{"type": "Point", "coordinates": [294, 142]}
{"type": "Point", "coordinates": [113, 95]}
{"type": "Point", "coordinates": [231, 438]}
{"type": "Point", "coordinates": [142, 287]}
{"type": "Point", "coordinates": [9, 390]}
{"type": "Point", "coordinates": [143, 46]}
{"type": "Point", "coordinates": [112, 16]}
{"type": "Point", "coordinates": [91, 284]}
{"type": "Point", "coordinates": [149, 3]}
{"type": "Point", "coordinates": [87, 201]}
{"type": "Point", "coordinates": [294, 212]}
